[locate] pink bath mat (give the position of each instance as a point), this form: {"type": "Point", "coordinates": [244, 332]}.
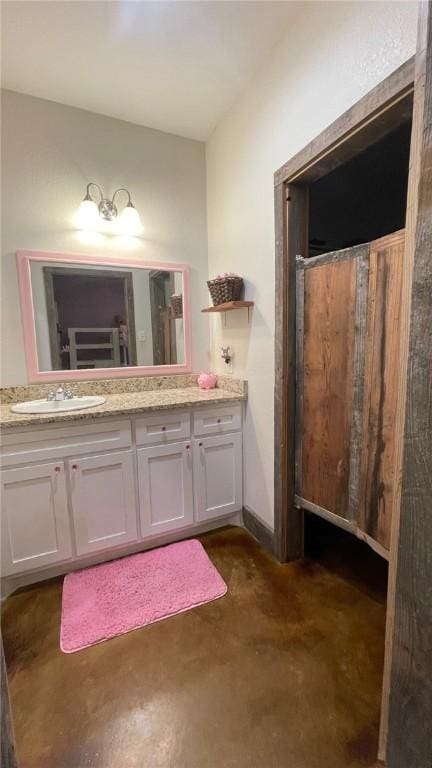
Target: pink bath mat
{"type": "Point", "coordinates": [117, 597]}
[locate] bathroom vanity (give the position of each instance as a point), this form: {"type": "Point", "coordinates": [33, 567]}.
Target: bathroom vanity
{"type": "Point", "coordinates": [110, 480]}
{"type": "Point", "coordinates": [152, 457]}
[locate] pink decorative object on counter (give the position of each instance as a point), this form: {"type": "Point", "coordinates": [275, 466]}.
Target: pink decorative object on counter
{"type": "Point", "coordinates": [207, 380]}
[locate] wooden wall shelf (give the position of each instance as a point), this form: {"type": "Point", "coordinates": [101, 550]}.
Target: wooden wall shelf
{"type": "Point", "coordinates": [229, 305]}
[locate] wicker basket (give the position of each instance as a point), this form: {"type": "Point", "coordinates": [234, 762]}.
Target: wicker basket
{"type": "Point", "coordinates": [177, 305]}
{"type": "Point", "coordinates": [227, 288]}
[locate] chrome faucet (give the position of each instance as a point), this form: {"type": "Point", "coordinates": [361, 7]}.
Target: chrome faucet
{"type": "Point", "coordinates": [61, 393]}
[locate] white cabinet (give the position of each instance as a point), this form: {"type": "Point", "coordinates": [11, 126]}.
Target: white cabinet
{"type": "Point", "coordinates": [35, 521]}
{"type": "Point", "coordinates": [165, 487]}
{"type": "Point", "coordinates": [217, 475]}
{"type": "Point", "coordinates": [103, 501]}
{"type": "Point", "coordinates": [181, 467]}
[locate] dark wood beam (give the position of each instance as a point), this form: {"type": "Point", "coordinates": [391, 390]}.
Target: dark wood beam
{"type": "Point", "coordinates": [291, 212]}
{"type": "Point", "coordinates": [385, 107]}
{"type": "Point", "coordinates": [8, 757]}
{"type": "Point", "coordinates": [409, 739]}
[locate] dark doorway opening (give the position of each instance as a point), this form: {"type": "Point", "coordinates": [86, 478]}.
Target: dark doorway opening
{"type": "Point", "coordinates": [163, 323]}
{"type": "Point", "coordinates": [363, 199]}
{"type": "Point", "coordinates": [341, 553]}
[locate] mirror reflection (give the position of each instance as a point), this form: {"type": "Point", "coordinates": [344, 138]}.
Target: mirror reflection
{"type": "Point", "coordinates": [88, 316]}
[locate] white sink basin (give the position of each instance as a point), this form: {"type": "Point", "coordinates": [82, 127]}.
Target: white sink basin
{"type": "Point", "coordinates": [58, 406]}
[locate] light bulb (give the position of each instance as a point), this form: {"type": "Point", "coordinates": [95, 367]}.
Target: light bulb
{"type": "Point", "coordinates": [129, 221]}
{"type": "Point", "coordinates": [87, 215]}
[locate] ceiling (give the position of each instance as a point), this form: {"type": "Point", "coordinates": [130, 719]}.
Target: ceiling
{"type": "Point", "coordinates": [174, 66]}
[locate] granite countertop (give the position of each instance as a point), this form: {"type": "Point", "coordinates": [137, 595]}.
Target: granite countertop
{"type": "Point", "coordinates": [126, 404]}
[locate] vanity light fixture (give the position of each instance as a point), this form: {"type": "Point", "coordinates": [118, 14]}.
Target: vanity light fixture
{"type": "Point", "coordinates": [90, 212]}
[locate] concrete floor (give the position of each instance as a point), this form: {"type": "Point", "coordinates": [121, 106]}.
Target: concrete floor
{"type": "Point", "coordinates": [285, 671]}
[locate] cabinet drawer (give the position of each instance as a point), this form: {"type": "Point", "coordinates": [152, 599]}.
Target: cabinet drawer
{"type": "Point", "coordinates": [163, 426]}
{"type": "Point", "coordinates": [215, 421]}
{"type": "Point", "coordinates": [28, 446]}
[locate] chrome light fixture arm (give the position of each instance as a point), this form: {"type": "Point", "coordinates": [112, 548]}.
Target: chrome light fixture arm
{"type": "Point", "coordinates": [122, 189]}
{"type": "Point", "coordinates": [107, 208]}
{"type": "Point", "coordinates": [129, 205]}
{"type": "Point", "coordinates": [88, 195]}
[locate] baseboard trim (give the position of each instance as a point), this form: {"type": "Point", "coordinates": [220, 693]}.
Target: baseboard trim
{"type": "Point", "coordinates": [259, 530]}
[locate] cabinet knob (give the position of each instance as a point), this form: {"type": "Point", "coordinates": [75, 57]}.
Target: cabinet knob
{"type": "Point", "coordinates": [57, 469]}
{"type": "Point", "coordinates": [163, 429]}
{"type": "Point", "coordinates": [200, 445]}
{"type": "Point", "coordinates": [74, 467]}
{"type": "Point", "coordinates": [218, 421]}
{"type": "Point", "coordinates": [188, 447]}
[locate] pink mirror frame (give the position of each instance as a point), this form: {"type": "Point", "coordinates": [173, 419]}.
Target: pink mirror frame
{"type": "Point", "coordinates": [24, 259]}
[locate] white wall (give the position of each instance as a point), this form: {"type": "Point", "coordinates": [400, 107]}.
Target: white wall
{"type": "Point", "coordinates": [332, 55]}
{"type": "Point", "coordinates": [49, 153]}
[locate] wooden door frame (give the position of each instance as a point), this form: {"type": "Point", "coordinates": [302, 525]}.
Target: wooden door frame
{"type": "Point", "coordinates": [388, 105]}
{"type": "Point", "coordinates": [406, 736]}
{"type": "Point", "coordinates": [8, 757]}
{"type": "Point", "coordinates": [163, 317]}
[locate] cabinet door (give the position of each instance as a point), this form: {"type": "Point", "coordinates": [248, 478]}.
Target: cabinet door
{"type": "Point", "coordinates": [103, 501]}
{"type": "Point", "coordinates": [35, 520]}
{"type": "Point", "coordinates": [218, 475]}
{"type": "Point", "coordinates": [165, 487]}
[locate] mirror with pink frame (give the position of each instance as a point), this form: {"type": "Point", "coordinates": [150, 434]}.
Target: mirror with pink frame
{"type": "Point", "coordinates": [87, 317]}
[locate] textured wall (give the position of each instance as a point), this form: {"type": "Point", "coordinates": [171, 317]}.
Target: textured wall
{"type": "Point", "coordinates": [49, 153]}
{"type": "Point", "coordinates": [333, 54]}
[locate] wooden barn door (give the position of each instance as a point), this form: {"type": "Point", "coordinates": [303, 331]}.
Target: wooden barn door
{"type": "Point", "coordinates": [347, 353]}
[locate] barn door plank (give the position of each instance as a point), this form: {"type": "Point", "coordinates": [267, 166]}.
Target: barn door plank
{"type": "Point", "coordinates": [377, 480]}
{"type": "Point", "coordinates": [299, 379]}
{"type": "Point", "coordinates": [362, 292]}
{"type": "Point", "coordinates": [328, 381]}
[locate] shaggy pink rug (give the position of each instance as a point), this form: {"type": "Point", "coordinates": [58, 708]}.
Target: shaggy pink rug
{"type": "Point", "coordinates": [117, 597]}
